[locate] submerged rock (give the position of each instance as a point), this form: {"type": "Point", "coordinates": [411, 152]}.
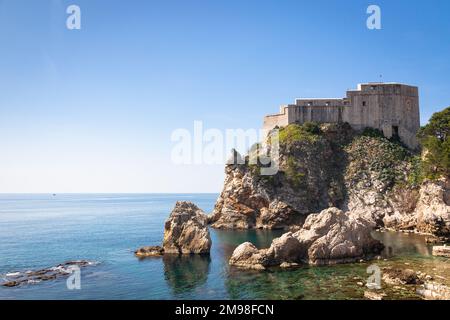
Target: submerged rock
{"type": "Point", "coordinates": [186, 230]}
{"type": "Point", "coordinates": [441, 251]}
{"type": "Point", "coordinates": [150, 251]}
{"type": "Point", "coordinates": [14, 279]}
{"type": "Point", "coordinates": [394, 276]}
{"type": "Point", "coordinates": [434, 291]}
{"type": "Point", "coordinates": [327, 238]}
{"type": "Point", "coordinates": [185, 273]}
{"type": "Point", "coordinates": [373, 295]}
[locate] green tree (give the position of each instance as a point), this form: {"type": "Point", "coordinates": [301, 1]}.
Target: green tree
{"type": "Point", "coordinates": [434, 138]}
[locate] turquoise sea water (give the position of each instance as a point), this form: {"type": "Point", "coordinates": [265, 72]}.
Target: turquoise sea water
{"type": "Point", "coordinates": [38, 231]}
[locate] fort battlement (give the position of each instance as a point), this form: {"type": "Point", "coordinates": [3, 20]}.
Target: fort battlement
{"type": "Point", "coordinates": [392, 108]}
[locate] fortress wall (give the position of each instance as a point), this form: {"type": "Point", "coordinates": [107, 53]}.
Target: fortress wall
{"type": "Point", "coordinates": [316, 114]}
{"type": "Point", "coordinates": [408, 113]}
{"type": "Point", "coordinates": [280, 120]}
{"type": "Point", "coordinates": [317, 110]}
{"type": "Point", "coordinates": [390, 107]}
{"type": "Point", "coordinates": [319, 102]}
{"type": "Point", "coordinates": [363, 111]}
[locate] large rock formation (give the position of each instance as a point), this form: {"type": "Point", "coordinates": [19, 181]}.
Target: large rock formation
{"type": "Point", "coordinates": [309, 180]}
{"type": "Point", "coordinates": [333, 166]}
{"type": "Point", "coordinates": [330, 237]}
{"type": "Point", "coordinates": [186, 230]}
{"type": "Point", "coordinates": [433, 208]}
{"type": "Point", "coordinates": [428, 209]}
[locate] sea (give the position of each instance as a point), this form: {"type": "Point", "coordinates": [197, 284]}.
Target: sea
{"type": "Point", "coordinates": [44, 230]}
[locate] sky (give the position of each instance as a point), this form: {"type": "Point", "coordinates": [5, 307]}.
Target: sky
{"type": "Point", "coordinates": [93, 110]}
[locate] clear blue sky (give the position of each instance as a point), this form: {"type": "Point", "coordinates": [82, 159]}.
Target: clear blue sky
{"type": "Point", "coordinates": [92, 110]}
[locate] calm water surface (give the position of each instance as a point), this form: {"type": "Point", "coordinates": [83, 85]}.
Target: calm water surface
{"type": "Point", "coordinates": [38, 231]}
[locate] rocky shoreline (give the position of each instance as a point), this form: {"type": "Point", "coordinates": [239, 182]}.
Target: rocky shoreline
{"type": "Point", "coordinates": [14, 279]}
{"type": "Point", "coordinates": [424, 285]}
{"type": "Point", "coordinates": [334, 187]}
{"type": "Point", "coordinates": [367, 176]}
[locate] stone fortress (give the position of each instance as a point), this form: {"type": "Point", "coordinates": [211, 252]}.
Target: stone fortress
{"type": "Point", "coordinates": [392, 108]}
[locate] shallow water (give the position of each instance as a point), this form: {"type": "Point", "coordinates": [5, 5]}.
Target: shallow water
{"type": "Point", "coordinates": [38, 231]}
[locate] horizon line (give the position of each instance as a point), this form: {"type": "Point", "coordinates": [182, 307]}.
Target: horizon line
{"type": "Point", "coordinates": [62, 193]}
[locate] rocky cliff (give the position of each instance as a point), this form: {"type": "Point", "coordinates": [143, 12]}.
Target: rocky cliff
{"type": "Point", "coordinates": [331, 165]}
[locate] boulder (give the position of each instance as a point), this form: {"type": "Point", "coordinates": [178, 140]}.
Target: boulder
{"type": "Point", "coordinates": [433, 208]}
{"type": "Point", "coordinates": [395, 276]}
{"type": "Point", "coordinates": [247, 256]}
{"type": "Point", "coordinates": [441, 251]}
{"type": "Point", "coordinates": [150, 251]}
{"type": "Point", "coordinates": [327, 238]}
{"type": "Point", "coordinates": [186, 230]}
{"type": "Point", "coordinates": [334, 236]}
{"type": "Point", "coordinates": [434, 291]}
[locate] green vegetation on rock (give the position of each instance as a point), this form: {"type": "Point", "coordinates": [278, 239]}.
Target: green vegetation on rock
{"type": "Point", "coordinates": [434, 138]}
{"type": "Point", "coordinates": [415, 176]}
{"type": "Point", "coordinates": [377, 158]}
{"type": "Point", "coordinates": [309, 131]}
{"type": "Point", "coordinates": [293, 173]}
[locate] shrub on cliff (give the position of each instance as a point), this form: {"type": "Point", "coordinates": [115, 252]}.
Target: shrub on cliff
{"type": "Point", "coordinates": [294, 174]}
{"type": "Point", "coordinates": [377, 158]}
{"type": "Point", "coordinates": [372, 132]}
{"type": "Point", "coordinates": [309, 131]}
{"type": "Point", "coordinates": [434, 138]}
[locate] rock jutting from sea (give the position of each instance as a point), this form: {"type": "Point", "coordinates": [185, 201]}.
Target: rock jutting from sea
{"type": "Point", "coordinates": [332, 165]}
{"type": "Point", "coordinates": [185, 232]}
{"type": "Point", "coordinates": [330, 237]}
{"type": "Point", "coordinates": [14, 279]}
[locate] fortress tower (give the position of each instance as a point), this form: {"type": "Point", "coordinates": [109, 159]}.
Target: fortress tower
{"type": "Point", "coordinates": [392, 108]}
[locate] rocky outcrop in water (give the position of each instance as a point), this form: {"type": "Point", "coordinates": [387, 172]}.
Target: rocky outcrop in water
{"type": "Point", "coordinates": [334, 166]}
{"type": "Point", "coordinates": [424, 285]}
{"type": "Point", "coordinates": [309, 180]}
{"type": "Point", "coordinates": [185, 232]}
{"type": "Point", "coordinates": [150, 251]}
{"type": "Point", "coordinates": [330, 237]}
{"type": "Point", "coordinates": [441, 251]}
{"type": "Point", "coordinates": [14, 279]}
{"type": "Point", "coordinates": [395, 276]}
{"type": "Point", "coordinates": [434, 291]}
